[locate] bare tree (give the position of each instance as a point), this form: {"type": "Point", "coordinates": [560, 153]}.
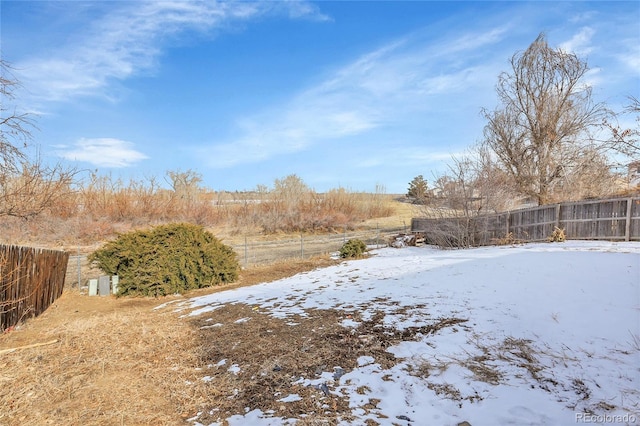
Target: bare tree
{"type": "Point", "coordinates": [27, 186]}
{"type": "Point", "coordinates": [185, 185]}
{"type": "Point", "coordinates": [544, 120]}
{"type": "Point", "coordinates": [589, 177]}
{"type": "Point", "coordinates": [15, 127]}
{"type": "Point", "coordinates": [290, 189]}
{"type": "Point", "coordinates": [625, 141]}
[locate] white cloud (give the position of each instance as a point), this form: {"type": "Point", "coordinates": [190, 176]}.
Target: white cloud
{"type": "Point", "coordinates": [128, 40]}
{"type": "Point", "coordinates": [631, 55]}
{"type": "Point", "coordinates": [303, 9]}
{"type": "Point", "coordinates": [103, 152]}
{"type": "Point", "coordinates": [580, 43]}
{"type": "Point", "coordinates": [405, 156]}
{"type": "Point", "coordinates": [592, 78]}
{"type": "Point", "coordinates": [583, 17]}
{"type": "Point", "coordinates": [381, 88]}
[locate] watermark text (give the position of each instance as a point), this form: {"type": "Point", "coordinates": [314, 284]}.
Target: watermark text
{"type": "Point", "coordinates": [606, 418]}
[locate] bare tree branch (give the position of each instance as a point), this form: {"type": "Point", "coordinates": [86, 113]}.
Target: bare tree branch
{"type": "Point", "coordinates": [545, 118]}
{"type": "Point", "coordinates": [27, 187]}
{"type": "Point", "coordinates": [625, 141]}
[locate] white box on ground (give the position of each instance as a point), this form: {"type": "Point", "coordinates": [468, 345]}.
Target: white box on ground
{"type": "Point", "coordinates": [93, 287]}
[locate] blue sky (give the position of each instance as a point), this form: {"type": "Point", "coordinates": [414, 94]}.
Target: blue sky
{"type": "Point", "coordinates": [352, 94]}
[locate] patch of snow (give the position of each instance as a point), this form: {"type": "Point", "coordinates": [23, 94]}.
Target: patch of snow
{"type": "Point", "coordinates": [216, 325]}
{"type": "Point", "coordinates": [548, 334]}
{"type": "Point", "coordinates": [365, 360]}
{"type": "Point", "coordinates": [291, 398]}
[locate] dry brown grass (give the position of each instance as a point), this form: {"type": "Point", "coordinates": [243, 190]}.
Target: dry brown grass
{"type": "Point", "coordinates": [112, 364]}
{"type": "Point", "coordinates": [120, 361]}
{"type": "Point", "coordinates": [133, 361]}
{"type": "Point", "coordinates": [116, 361]}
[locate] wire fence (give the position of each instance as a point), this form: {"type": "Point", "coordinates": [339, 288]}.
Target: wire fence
{"type": "Point", "coordinates": [255, 250]}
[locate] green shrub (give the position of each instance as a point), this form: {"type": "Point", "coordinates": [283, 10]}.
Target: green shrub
{"type": "Point", "coordinates": [353, 248]}
{"type": "Point", "coordinates": [167, 259]}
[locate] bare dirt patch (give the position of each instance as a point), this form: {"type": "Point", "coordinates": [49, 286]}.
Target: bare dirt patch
{"type": "Point", "coordinates": [114, 361]}
{"type": "Point", "coordinates": [256, 360]}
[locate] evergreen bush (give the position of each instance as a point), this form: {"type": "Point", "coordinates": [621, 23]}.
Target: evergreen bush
{"type": "Point", "coordinates": [353, 248]}
{"type": "Point", "coordinates": [167, 259]}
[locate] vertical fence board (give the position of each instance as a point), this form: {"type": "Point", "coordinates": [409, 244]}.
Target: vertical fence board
{"type": "Point", "coordinates": [634, 226]}
{"type": "Point", "coordinates": [30, 280]}
{"type": "Point", "coordinates": [611, 219]}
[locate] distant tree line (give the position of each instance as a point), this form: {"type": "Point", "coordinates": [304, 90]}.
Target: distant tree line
{"type": "Point", "coordinates": [60, 201]}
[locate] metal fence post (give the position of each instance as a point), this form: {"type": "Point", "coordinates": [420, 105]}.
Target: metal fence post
{"type": "Point", "coordinates": [79, 270]}
{"type": "Point", "coordinates": [246, 259]}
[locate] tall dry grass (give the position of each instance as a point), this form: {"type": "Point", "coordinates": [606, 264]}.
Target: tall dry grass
{"type": "Point", "coordinates": [102, 206]}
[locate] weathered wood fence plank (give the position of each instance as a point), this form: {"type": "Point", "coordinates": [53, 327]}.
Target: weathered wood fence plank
{"type": "Point", "coordinates": [31, 279]}
{"type": "Point", "coordinates": [610, 219]}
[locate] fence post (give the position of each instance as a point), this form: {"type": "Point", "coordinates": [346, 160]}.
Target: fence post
{"type": "Point", "coordinates": [627, 227]}
{"type": "Point", "coordinates": [246, 258]}
{"type": "Point", "coordinates": [508, 220]}
{"type": "Point", "coordinates": [301, 247]}
{"type": "Point", "coordinates": [558, 215]}
{"type": "Point", "coordinates": [79, 270]}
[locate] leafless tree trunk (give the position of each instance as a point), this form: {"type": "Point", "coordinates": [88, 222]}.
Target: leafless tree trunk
{"type": "Point", "coordinates": [544, 120]}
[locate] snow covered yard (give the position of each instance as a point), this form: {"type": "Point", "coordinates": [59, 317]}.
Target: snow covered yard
{"type": "Point", "coordinates": [537, 334]}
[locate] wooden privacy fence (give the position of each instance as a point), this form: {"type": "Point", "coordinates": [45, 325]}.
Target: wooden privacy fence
{"type": "Point", "coordinates": [610, 219]}
{"type": "Point", "coordinates": [30, 280]}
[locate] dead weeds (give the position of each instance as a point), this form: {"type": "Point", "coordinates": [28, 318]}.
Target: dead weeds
{"type": "Point", "coordinates": [111, 365]}
{"type": "Point", "coordinates": [116, 361]}
{"type": "Point", "coordinates": [255, 360]}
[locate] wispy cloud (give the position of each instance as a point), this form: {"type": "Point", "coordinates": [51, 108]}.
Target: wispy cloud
{"type": "Point", "coordinates": [128, 39]}
{"type": "Point", "coordinates": [580, 43]}
{"type": "Point", "coordinates": [406, 156]}
{"type": "Point", "coordinates": [631, 55]}
{"type": "Point", "coordinates": [102, 152]}
{"type": "Point", "coordinates": [381, 88]}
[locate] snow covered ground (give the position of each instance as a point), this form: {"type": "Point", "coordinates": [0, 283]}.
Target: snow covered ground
{"type": "Point", "coordinates": [552, 335]}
